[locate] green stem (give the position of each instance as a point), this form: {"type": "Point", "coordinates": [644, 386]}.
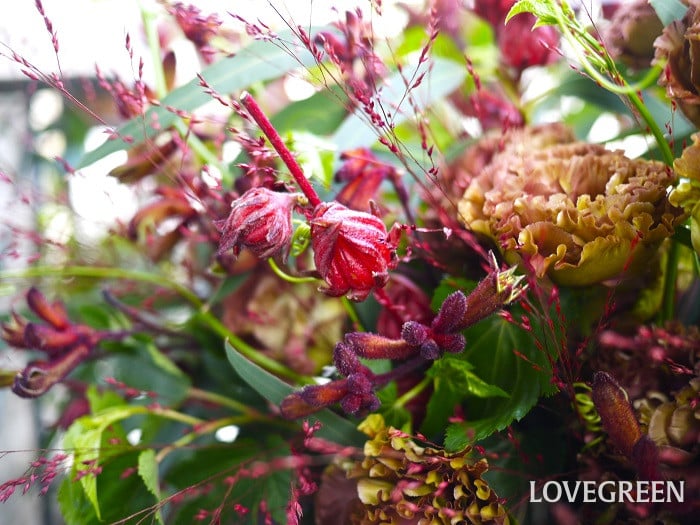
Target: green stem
{"type": "Point", "coordinates": [289, 278]}
{"type": "Point", "coordinates": [98, 272]}
{"type": "Point", "coordinates": [218, 399]}
{"type": "Point", "coordinates": [202, 429]}
{"type": "Point", "coordinates": [351, 310]}
{"type": "Point", "coordinates": [413, 392]}
{"type": "Point", "coordinates": [173, 415]}
{"type": "Point", "coordinates": [149, 18]}
{"type": "Point", "coordinates": [159, 280]}
{"type": "Point", "coordinates": [669, 294]}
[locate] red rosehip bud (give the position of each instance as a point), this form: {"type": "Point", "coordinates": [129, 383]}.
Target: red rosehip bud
{"type": "Point", "coordinates": [352, 250]}
{"type": "Point", "coordinates": [260, 220]}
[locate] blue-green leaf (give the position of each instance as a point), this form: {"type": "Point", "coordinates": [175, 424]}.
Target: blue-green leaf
{"type": "Point", "coordinates": [258, 62]}
{"type": "Point", "coordinates": [668, 10]}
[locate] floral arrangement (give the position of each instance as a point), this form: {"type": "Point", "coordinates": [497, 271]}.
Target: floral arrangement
{"type": "Point", "coordinates": [417, 294]}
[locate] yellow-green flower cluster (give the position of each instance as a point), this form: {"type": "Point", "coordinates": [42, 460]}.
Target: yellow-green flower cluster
{"type": "Point", "coordinates": [687, 193]}
{"type": "Point", "coordinates": [401, 482]}
{"type": "Point", "coordinates": [574, 211]}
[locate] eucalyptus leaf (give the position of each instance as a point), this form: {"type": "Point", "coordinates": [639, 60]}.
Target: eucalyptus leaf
{"type": "Point", "coordinates": [669, 10]}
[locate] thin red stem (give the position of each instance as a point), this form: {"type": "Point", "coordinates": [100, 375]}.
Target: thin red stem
{"type": "Point", "coordinates": [271, 133]}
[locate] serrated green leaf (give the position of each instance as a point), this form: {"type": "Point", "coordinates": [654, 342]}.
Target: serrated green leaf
{"type": "Point", "coordinates": [258, 62]}
{"type": "Point", "coordinates": [148, 471]}
{"type": "Point", "coordinates": [444, 77]}
{"type": "Point", "coordinates": [84, 437]}
{"type": "Point", "coordinates": [669, 10]}
{"type": "Point", "coordinates": [457, 375]}
{"type": "Point", "coordinates": [75, 507]}
{"type": "Point", "coordinates": [334, 427]}
{"type": "Point", "coordinates": [491, 350]}
{"type": "Point", "coordinates": [544, 10]}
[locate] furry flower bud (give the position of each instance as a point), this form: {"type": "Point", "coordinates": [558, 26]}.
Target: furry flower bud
{"type": "Point", "coordinates": [260, 220]}
{"type": "Point", "coordinates": [352, 250]}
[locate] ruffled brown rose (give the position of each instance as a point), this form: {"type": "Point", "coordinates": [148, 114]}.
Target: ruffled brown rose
{"type": "Point", "coordinates": [576, 212]}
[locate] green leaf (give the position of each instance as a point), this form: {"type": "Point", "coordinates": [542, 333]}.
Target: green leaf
{"type": "Point", "coordinates": [334, 427]}
{"type": "Point", "coordinates": [258, 62]}
{"type": "Point", "coordinates": [148, 470]}
{"type": "Point", "coordinates": [75, 507]}
{"type": "Point", "coordinates": [85, 437]}
{"type": "Point", "coordinates": [444, 77]}
{"type": "Point", "coordinates": [506, 356]}
{"type": "Point", "coordinates": [315, 156]}
{"type": "Point", "coordinates": [141, 365]}
{"type": "Point", "coordinates": [166, 364]}
{"type": "Point", "coordinates": [669, 10]}
{"type": "Point", "coordinates": [320, 114]}
{"type": "Point", "coordinates": [457, 375]}
{"type": "Point", "coordinates": [545, 11]}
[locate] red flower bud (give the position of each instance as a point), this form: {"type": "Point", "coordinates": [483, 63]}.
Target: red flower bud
{"type": "Point", "coordinates": [522, 46]}
{"type": "Point", "coordinates": [260, 220]}
{"type": "Point", "coordinates": [616, 413]}
{"type": "Point", "coordinates": [352, 250]}
{"type": "Point", "coordinates": [54, 314]}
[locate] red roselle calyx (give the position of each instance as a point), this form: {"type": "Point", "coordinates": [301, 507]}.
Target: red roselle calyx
{"type": "Point", "coordinates": [260, 220]}
{"type": "Point", "coordinates": [352, 250]}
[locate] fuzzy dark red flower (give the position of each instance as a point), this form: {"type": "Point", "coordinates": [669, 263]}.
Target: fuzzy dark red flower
{"type": "Point", "coordinates": [352, 250]}
{"type": "Point", "coordinates": [260, 220]}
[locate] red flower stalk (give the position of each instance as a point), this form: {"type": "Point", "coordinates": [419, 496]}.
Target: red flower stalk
{"type": "Point", "coordinates": [271, 133]}
{"type": "Point", "coordinates": [260, 220]}
{"type": "Point", "coordinates": [352, 250]}
{"type": "Point", "coordinates": [354, 393]}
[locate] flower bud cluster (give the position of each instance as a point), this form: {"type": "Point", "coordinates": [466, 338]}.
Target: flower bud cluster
{"type": "Point", "coordinates": [65, 344]}
{"type": "Point", "coordinates": [419, 342]}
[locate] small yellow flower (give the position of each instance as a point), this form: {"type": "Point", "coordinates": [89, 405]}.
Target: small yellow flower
{"type": "Point", "coordinates": [400, 481]}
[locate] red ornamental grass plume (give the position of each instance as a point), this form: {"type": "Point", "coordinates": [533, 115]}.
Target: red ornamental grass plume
{"type": "Point", "coordinates": [352, 250]}
{"type": "Point", "coordinates": [260, 220]}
